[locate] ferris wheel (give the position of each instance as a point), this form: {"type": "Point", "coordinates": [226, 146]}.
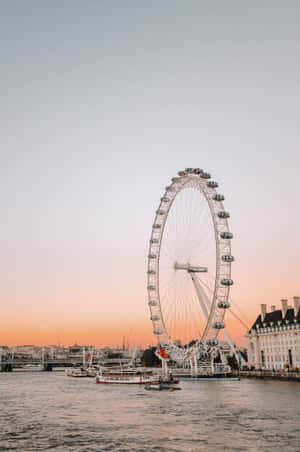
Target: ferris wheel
{"type": "Point", "coordinates": [189, 264]}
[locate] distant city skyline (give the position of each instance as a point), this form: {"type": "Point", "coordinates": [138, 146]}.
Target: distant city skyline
{"type": "Point", "coordinates": [102, 103]}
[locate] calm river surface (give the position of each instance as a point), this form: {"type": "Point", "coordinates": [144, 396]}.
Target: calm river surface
{"type": "Point", "coordinates": [49, 411]}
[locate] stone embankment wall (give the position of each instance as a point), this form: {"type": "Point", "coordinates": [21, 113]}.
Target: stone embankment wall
{"type": "Point", "coordinates": [268, 374]}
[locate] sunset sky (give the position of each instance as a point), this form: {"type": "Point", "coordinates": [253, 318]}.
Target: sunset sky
{"type": "Point", "coordinates": [101, 104]}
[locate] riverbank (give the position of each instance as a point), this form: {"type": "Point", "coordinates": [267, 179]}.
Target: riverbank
{"type": "Point", "coordinates": [268, 375]}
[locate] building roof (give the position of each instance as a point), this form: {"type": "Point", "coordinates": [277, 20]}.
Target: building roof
{"type": "Point", "coordinates": [275, 317]}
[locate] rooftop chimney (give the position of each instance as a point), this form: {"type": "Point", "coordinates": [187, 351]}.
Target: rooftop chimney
{"type": "Point", "coordinates": [263, 311]}
{"type": "Point", "coordinates": [296, 305]}
{"type": "Point", "coordinates": [273, 308]}
{"type": "Point", "coordinates": [284, 304]}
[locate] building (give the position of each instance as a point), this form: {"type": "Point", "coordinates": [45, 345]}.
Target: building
{"type": "Point", "coordinates": [273, 342]}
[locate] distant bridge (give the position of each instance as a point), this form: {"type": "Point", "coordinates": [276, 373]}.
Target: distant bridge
{"type": "Point", "coordinates": [47, 364]}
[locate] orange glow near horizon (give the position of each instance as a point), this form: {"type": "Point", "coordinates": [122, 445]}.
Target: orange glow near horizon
{"type": "Point", "coordinates": [101, 337]}
{"type": "Point", "coordinates": [85, 320]}
{"type": "Point", "coordinates": [107, 317]}
{"type": "Point", "coordinates": [141, 336]}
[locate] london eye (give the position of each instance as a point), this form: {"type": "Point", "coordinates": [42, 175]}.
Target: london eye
{"type": "Point", "coordinates": [189, 265]}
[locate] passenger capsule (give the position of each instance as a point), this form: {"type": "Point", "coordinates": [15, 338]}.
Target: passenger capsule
{"type": "Point", "coordinates": [226, 235]}
{"type": "Point", "coordinates": [223, 214]}
{"type": "Point", "coordinates": [152, 256]}
{"type": "Point", "coordinates": [189, 170]}
{"type": "Point", "coordinates": [160, 212]}
{"type": "Point", "coordinates": [154, 318]}
{"type": "Point", "coordinates": [218, 325]}
{"type": "Point", "coordinates": [227, 258]}
{"type": "Point", "coordinates": [198, 171]}
{"type": "Point", "coordinates": [158, 332]}
{"type": "Point", "coordinates": [212, 342]}
{"type": "Point", "coordinates": [151, 272]}
{"type": "Point", "coordinates": [152, 303]}
{"type": "Point", "coordinates": [175, 179]}
{"type": "Point", "coordinates": [223, 304]}
{"type": "Point", "coordinates": [212, 184]}
{"type": "Point", "coordinates": [150, 287]}
{"type": "Point", "coordinates": [181, 173]}
{"type": "Point", "coordinates": [154, 241]}
{"type": "Point", "coordinates": [227, 282]}
{"type": "Point", "coordinates": [164, 199]}
{"type": "Point", "coordinates": [205, 175]}
{"type": "Point", "coordinates": [218, 197]}
{"type": "Point", "coordinates": [157, 226]}
{"type": "Point", "coordinates": [170, 188]}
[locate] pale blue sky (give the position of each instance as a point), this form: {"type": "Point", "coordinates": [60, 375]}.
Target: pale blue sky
{"type": "Point", "coordinates": [102, 102]}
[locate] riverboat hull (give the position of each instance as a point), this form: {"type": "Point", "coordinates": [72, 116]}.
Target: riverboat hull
{"type": "Point", "coordinates": [142, 381]}
{"type": "Point", "coordinates": [76, 373]}
{"type": "Point", "coordinates": [161, 387]}
{"type": "Point", "coordinates": [29, 368]}
{"type": "Point", "coordinates": [127, 377]}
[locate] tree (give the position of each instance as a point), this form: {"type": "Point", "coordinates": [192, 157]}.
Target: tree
{"type": "Point", "coordinates": [149, 359]}
{"type": "Point", "coordinates": [232, 362]}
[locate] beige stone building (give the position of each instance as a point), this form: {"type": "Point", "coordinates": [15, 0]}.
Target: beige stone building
{"type": "Point", "coordinates": [273, 342]}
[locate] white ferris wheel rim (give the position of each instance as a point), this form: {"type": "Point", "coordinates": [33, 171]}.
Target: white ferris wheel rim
{"type": "Point", "coordinates": [199, 180]}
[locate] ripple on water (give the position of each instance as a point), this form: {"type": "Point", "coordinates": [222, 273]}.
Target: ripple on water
{"type": "Point", "coordinates": [49, 411]}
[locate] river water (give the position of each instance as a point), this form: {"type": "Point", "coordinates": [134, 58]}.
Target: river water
{"type": "Point", "coordinates": [49, 411]}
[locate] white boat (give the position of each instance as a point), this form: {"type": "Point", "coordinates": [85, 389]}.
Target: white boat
{"type": "Point", "coordinates": [29, 368]}
{"type": "Point", "coordinates": [92, 371]}
{"type": "Point", "coordinates": [127, 376]}
{"type": "Point", "coordinates": [76, 372]}
{"type": "Point", "coordinates": [86, 370]}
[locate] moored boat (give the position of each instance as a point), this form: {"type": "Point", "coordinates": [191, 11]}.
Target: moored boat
{"type": "Point", "coordinates": [86, 370]}
{"type": "Point", "coordinates": [29, 368]}
{"type": "Point", "coordinates": [76, 372]}
{"type": "Point", "coordinates": [92, 371]}
{"type": "Point", "coordinates": [127, 376]}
